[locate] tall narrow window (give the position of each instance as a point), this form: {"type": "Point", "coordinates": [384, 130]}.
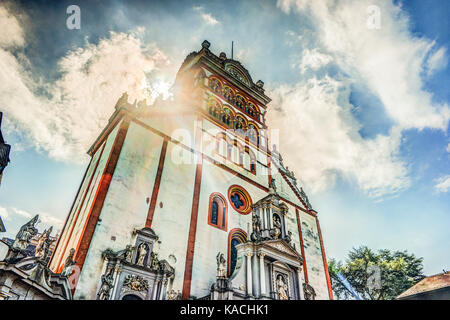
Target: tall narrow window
{"type": "Point", "coordinates": [235, 237]}
{"type": "Point", "coordinates": [217, 216]}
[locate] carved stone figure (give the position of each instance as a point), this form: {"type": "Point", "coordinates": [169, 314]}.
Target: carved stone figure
{"type": "Point", "coordinates": [141, 253]}
{"type": "Point", "coordinates": [221, 266]}
{"type": "Point", "coordinates": [282, 288]}
{"type": "Point", "coordinates": [43, 247]}
{"type": "Point", "coordinates": [106, 286]}
{"type": "Point", "coordinates": [256, 224]}
{"type": "Point", "coordinates": [173, 295]}
{"type": "Point", "coordinates": [310, 293]}
{"type": "Point", "coordinates": [136, 283]}
{"type": "Point", "coordinates": [25, 234]}
{"type": "Point", "coordinates": [276, 226]}
{"type": "Point", "coordinates": [68, 263]}
{"type": "Point", "coordinates": [154, 263]}
{"type": "Point", "coordinates": [128, 253]}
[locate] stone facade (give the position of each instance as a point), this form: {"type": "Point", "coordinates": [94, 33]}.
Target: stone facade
{"type": "Point", "coordinates": [190, 174]}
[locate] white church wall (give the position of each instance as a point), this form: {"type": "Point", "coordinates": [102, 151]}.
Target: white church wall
{"type": "Point", "coordinates": [171, 222]}
{"type": "Point", "coordinates": [313, 256]}
{"type": "Point", "coordinates": [125, 207]}
{"type": "Point", "coordinates": [79, 223]}
{"type": "Point", "coordinates": [210, 240]}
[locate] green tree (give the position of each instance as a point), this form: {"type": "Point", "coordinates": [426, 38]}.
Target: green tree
{"type": "Point", "coordinates": [381, 275]}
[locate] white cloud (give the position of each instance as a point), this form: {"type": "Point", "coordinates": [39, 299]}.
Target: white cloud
{"type": "Point", "coordinates": [4, 213]}
{"type": "Point", "coordinates": [443, 184]}
{"type": "Point", "coordinates": [389, 60]}
{"type": "Point", "coordinates": [20, 217]}
{"type": "Point", "coordinates": [325, 142]}
{"type": "Point", "coordinates": [12, 34]}
{"type": "Point", "coordinates": [313, 59]}
{"type": "Point", "coordinates": [437, 61]}
{"type": "Point", "coordinates": [209, 19]}
{"type": "Point", "coordinates": [316, 114]}
{"type": "Point", "coordinates": [448, 148]}
{"type": "Point", "coordinates": [66, 121]}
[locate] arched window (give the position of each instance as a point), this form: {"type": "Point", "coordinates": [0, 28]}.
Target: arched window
{"type": "Point", "coordinates": [215, 85]}
{"type": "Point", "coordinates": [217, 216]}
{"type": "Point", "coordinates": [235, 237]}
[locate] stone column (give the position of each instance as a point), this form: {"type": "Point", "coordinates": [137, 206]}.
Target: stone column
{"type": "Point", "coordinates": [117, 272]}
{"type": "Point", "coordinates": [249, 273]}
{"type": "Point", "coordinates": [155, 288]}
{"type": "Point", "coordinates": [262, 273]}
{"type": "Point", "coordinates": [269, 216]}
{"type": "Point", "coordinates": [164, 288]}
{"type": "Point", "coordinates": [300, 283]}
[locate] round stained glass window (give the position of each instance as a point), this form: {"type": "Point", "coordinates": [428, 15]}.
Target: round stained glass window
{"type": "Point", "coordinates": [240, 199]}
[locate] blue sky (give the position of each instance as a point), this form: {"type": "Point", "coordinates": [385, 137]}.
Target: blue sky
{"type": "Point", "coordinates": [363, 113]}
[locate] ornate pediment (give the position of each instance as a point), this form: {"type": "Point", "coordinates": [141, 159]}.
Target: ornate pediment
{"type": "Point", "coordinates": [282, 247]}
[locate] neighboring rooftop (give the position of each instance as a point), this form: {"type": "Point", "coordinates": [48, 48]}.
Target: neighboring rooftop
{"type": "Point", "coordinates": [427, 285]}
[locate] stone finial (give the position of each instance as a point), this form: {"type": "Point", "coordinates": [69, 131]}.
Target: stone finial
{"type": "Point", "coordinates": [206, 44]}
{"type": "Point", "coordinates": [260, 84]}
{"type": "Point", "coordinates": [223, 56]}
{"type": "Point", "coordinates": [43, 247]}
{"type": "Point", "coordinates": [25, 234]}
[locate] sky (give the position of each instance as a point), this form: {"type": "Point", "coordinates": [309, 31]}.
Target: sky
{"type": "Point", "coordinates": [359, 94]}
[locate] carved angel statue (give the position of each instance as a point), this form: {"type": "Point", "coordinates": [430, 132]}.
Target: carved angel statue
{"type": "Point", "coordinates": [276, 226]}
{"type": "Point", "coordinates": [68, 263]}
{"type": "Point", "coordinates": [154, 263]}
{"type": "Point", "coordinates": [128, 253]}
{"type": "Point", "coordinates": [107, 284]}
{"type": "Point", "coordinates": [221, 266]}
{"type": "Point", "coordinates": [256, 222]}
{"type": "Point", "coordinates": [25, 234]}
{"type": "Point", "coordinates": [43, 247]}
{"type": "Point", "coordinates": [282, 288]}
{"type": "Point", "coordinates": [142, 252]}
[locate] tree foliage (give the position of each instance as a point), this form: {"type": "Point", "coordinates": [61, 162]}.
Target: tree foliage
{"type": "Point", "coordinates": [381, 275]}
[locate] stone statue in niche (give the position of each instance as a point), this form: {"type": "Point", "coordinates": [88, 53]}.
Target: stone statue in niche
{"type": "Point", "coordinates": [282, 288]}
{"type": "Point", "coordinates": [141, 253]}
{"type": "Point", "coordinates": [276, 226]}
{"type": "Point", "coordinates": [25, 234]}
{"type": "Point", "coordinates": [107, 284]}
{"type": "Point", "coordinates": [221, 266]}
{"type": "Point", "coordinates": [43, 247]}
{"type": "Point", "coordinates": [68, 263]}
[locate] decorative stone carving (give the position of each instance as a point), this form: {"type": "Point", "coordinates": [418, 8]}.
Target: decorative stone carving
{"type": "Point", "coordinates": [154, 262]}
{"type": "Point", "coordinates": [107, 284]}
{"type": "Point", "coordinates": [173, 295]}
{"type": "Point", "coordinates": [276, 227]}
{"type": "Point", "coordinates": [136, 283]}
{"type": "Point", "coordinates": [256, 224]}
{"type": "Point", "coordinates": [25, 234]}
{"type": "Point", "coordinates": [128, 254]}
{"type": "Point", "coordinates": [68, 263]}
{"type": "Point", "coordinates": [221, 266]}
{"type": "Point", "coordinates": [141, 253]}
{"type": "Point", "coordinates": [282, 288]}
{"type": "Point", "coordinates": [43, 247]}
{"type": "Point", "coordinates": [310, 293]}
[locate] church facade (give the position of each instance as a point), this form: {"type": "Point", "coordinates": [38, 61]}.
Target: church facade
{"type": "Point", "coordinates": [184, 199]}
